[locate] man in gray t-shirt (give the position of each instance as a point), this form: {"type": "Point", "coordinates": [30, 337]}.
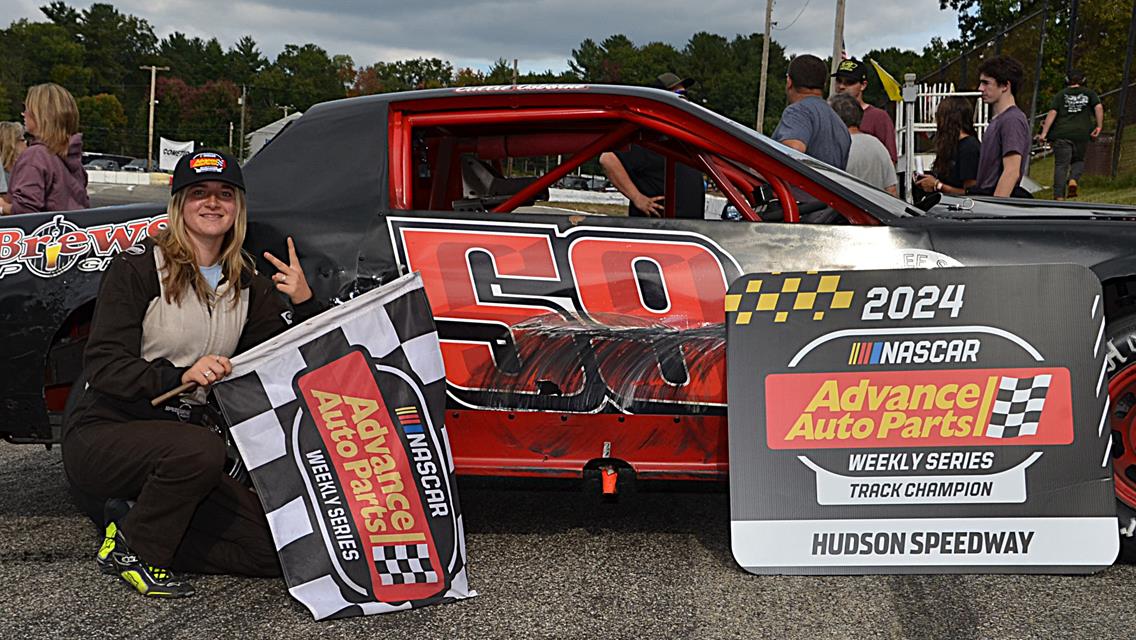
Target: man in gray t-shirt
{"type": "Point", "coordinates": [868, 158]}
{"type": "Point", "coordinates": [808, 124]}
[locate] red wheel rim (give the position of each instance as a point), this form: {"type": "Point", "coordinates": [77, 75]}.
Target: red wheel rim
{"type": "Point", "coordinates": [1122, 406]}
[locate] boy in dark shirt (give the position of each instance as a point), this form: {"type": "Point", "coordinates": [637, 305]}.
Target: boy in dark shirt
{"type": "Point", "coordinates": [1074, 118]}
{"type": "Point", "coordinates": [1006, 143]}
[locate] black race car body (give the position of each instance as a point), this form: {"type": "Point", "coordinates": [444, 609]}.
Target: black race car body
{"type": "Point", "coordinates": [569, 339]}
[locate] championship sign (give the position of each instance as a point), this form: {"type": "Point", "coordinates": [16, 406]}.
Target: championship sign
{"type": "Point", "coordinates": [920, 421]}
{"type": "Point", "coordinates": [339, 421]}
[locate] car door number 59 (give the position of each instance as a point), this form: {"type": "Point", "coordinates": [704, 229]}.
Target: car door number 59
{"type": "Point", "coordinates": [903, 302]}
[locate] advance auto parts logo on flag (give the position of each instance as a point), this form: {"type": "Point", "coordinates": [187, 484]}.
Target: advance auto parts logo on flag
{"type": "Point", "coordinates": [931, 420]}
{"type": "Point", "coordinates": [380, 454]}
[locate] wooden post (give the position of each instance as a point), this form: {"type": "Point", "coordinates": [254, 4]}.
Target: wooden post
{"type": "Point", "coordinates": [763, 80]}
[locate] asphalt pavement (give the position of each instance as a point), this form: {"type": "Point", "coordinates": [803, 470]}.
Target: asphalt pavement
{"type": "Point", "coordinates": [549, 561]}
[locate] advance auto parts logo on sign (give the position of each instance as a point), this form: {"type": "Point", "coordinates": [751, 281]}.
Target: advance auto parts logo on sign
{"type": "Point", "coordinates": [381, 455]}
{"type": "Point", "coordinates": [56, 246]}
{"type": "Point", "coordinates": [959, 408]}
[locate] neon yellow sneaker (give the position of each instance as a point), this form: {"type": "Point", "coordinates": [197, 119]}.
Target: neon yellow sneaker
{"type": "Point", "coordinates": [115, 557]}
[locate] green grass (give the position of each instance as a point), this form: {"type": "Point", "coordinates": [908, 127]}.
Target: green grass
{"type": "Point", "coordinates": [1118, 190]}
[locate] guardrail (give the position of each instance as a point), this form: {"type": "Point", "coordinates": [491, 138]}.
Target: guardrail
{"type": "Point", "coordinates": [127, 177]}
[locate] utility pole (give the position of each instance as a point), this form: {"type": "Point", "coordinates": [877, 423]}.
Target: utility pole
{"type": "Point", "coordinates": [243, 101]}
{"type": "Point", "coordinates": [1072, 36]}
{"type": "Point", "coordinates": [509, 169]}
{"type": "Point", "coordinates": [150, 138]}
{"type": "Point", "coordinates": [1037, 73]}
{"type": "Point", "coordinates": [230, 134]}
{"type": "Point", "coordinates": [837, 44]}
{"type": "Point", "coordinates": [762, 81]}
{"type": "Point", "coordinates": [285, 108]}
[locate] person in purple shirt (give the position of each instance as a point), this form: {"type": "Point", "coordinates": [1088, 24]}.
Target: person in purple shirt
{"type": "Point", "coordinates": [49, 175]}
{"type": "Point", "coordinates": [1006, 143]}
{"type": "Point", "coordinates": [852, 78]}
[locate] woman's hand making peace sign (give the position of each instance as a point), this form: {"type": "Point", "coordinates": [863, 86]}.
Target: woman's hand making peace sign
{"type": "Point", "coordinates": [290, 277]}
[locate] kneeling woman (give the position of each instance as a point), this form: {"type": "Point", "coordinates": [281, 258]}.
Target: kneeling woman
{"type": "Point", "coordinates": [169, 312]}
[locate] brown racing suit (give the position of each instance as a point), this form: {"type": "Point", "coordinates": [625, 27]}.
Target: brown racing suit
{"type": "Point", "coordinates": [188, 515]}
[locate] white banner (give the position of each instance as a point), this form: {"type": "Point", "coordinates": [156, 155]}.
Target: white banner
{"type": "Point", "coordinates": [170, 151]}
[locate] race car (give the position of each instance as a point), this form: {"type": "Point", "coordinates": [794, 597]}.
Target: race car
{"type": "Point", "coordinates": [571, 341]}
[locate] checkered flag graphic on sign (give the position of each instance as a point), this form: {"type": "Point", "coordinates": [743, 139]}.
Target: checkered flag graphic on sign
{"type": "Point", "coordinates": [405, 564]}
{"type": "Point", "coordinates": [394, 325]}
{"type": "Point", "coordinates": [1017, 410]}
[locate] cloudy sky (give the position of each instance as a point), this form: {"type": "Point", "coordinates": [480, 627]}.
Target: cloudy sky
{"type": "Point", "coordinates": [541, 33]}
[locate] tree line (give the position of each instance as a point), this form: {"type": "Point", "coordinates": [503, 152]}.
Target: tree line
{"type": "Point", "coordinates": [97, 53]}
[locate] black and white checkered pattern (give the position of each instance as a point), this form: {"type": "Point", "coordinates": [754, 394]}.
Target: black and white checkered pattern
{"type": "Point", "coordinates": [1017, 409]}
{"type": "Point", "coordinates": [394, 326]}
{"type": "Point", "coordinates": [405, 564]}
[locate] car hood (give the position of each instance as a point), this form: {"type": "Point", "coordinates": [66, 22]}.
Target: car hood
{"type": "Point", "coordinates": [1016, 208]}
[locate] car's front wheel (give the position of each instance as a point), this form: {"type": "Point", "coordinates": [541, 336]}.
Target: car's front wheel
{"type": "Point", "coordinates": [1121, 356]}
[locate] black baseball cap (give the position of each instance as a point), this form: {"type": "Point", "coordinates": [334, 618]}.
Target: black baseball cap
{"type": "Point", "coordinates": [851, 69]}
{"type": "Point", "coordinates": [206, 165]}
{"type": "Point", "coordinates": [674, 82]}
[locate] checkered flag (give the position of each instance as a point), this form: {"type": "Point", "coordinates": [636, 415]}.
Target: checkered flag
{"type": "Point", "coordinates": [405, 564]}
{"type": "Point", "coordinates": [371, 370]}
{"type": "Point", "coordinates": [1017, 409]}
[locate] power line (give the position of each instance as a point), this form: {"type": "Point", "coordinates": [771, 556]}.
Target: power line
{"type": "Point", "coordinates": [799, 14]}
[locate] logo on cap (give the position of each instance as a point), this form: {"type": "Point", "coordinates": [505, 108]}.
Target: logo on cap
{"type": "Point", "coordinates": [207, 163]}
{"type": "Point", "coordinates": [848, 65]}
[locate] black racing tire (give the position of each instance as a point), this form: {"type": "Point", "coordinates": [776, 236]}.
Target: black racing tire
{"type": "Point", "coordinates": [1120, 352]}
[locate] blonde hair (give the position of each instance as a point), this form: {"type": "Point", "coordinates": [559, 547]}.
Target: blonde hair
{"type": "Point", "coordinates": [56, 115]}
{"type": "Point", "coordinates": [181, 272]}
{"type": "Point", "coordinates": [10, 135]}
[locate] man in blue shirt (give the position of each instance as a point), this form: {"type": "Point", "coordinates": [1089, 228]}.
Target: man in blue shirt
{"type": "Point", "coordinates": [809, 124]}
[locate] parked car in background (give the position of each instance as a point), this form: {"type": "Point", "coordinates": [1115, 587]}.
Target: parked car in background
{"type": "Point", "coordinates": [137, 165]}
{"type": "Point", "coordinates": [573, 182]}
{"type": "Point", "coordinates": [101, 164]}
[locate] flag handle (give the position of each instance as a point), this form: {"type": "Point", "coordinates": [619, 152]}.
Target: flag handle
{"type": "Point", "coordinates": [176, 391]}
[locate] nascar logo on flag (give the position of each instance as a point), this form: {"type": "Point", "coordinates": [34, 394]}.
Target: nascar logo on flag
{"type": "Point", "coordinates": [1017, 409]}
{"type": "Point", "coordinates": [339, 421]}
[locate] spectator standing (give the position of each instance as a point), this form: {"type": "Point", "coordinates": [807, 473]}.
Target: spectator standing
{"type": "Point", "coordinates": [1075, 116]}
{"type": "Point", "coordinates": [852, 78]}
{"type": "Point", "coordinates": [49, 175]}
{"type": "Point", "coordinates": [1006, 144]}
{"type": "Point", "coordinates": [957, 149]}
{"type": "Point", "coordinates": [867, 157]}
{"type": "Point", "coordinates": [11, 146]}
{"type": "Point", "coordinates": [808, 124]}
{"type": "Point", "coordinates": [640, 174]}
